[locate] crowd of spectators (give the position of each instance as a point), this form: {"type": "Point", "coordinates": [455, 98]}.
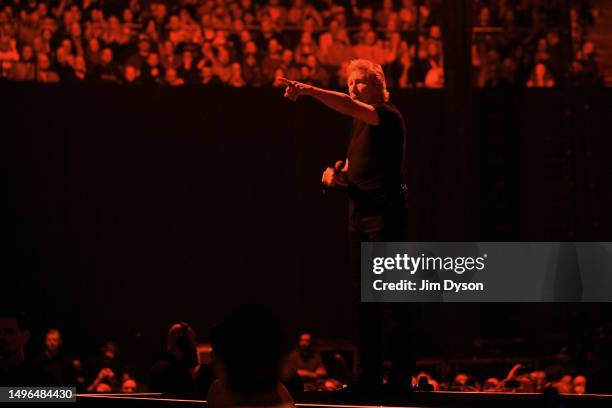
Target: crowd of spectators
{"type": "Point", "coordinates": [518, 379]}
{"type": "Point", "coordinates": [253, 354]}
{"type": "Point", "coordinates": [254, 42]}
{"type": "Point", "coordinates": [520, 43]}
{"type": "Point", "coordinates": [233, 42]}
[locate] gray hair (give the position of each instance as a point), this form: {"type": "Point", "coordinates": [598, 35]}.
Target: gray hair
{"type": "Point", "coordinates": [373, 72]}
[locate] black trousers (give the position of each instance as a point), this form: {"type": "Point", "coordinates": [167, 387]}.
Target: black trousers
{"type": "Point", "coordinates": [382, 326]}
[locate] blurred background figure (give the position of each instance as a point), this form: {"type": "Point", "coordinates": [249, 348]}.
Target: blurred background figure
{"type": "Point", "coordinates": [306, 360]}
{"type": "Point", "coordinates": [15, 369]}
{"type": "Point", "coordinates": [250, 349]}
{"type": "Point", "coordinates": [174, 370]}
{"type": "Point", "coordinates": [55, 362]}
{"type": "Point", "coordinates": [105, 370]}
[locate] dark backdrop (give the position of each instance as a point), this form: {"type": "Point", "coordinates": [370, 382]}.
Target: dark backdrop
{"type": "Point", "coordinates": [130, 208]}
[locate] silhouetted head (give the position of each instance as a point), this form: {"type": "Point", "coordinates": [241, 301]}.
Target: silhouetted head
{"type": "Point", "coordinates": [251, 346]}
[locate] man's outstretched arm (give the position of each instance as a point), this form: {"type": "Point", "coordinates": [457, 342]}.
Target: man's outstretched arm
{"type": "Point", "coordinates": [338, 101]}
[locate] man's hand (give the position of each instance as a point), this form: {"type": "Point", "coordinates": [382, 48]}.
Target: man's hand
{"type": "Point", "coordinates": [333, 177]}
{"type": "Point", "coordinates": [105, 373]}
{"type": "Point", "coordinates": [293, 88]}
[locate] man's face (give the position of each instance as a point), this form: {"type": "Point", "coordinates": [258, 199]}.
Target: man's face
{"type": "Point", "coordinates": [75, 29]}
{"type": "Point", "coordinates": [305, 340]}
{"type": "Point", "coordinates": [43, 61]}
{"type": "Point", "coordinates": [273, 46]}
{"type": "Point", "coordinates": [130, 73]}
{"type": "Point", "coordinates": [144, 47]}
{"type": "Point", "coordinates": [223, 56]}
{"type": "Point", "coordinates": [128, 17]}
{"type": "Point", "coordinates": [107, 56]}
{"type": "Point", "coordinates": [53, 341]}
{"type": "Point", "coordinates": [27, 53]}
{"type": "Point", "coordinates": [128, 386]}
{"type": "Point", "coordinates": [359, 87]}
{"type": "Point", "coordinates": [67, 46]}
{"type": "Point", "coordinates": [206, 72]}
{"type": "Point", "coordinates": [12, 338]}
{"type": "Point", "coordinates": [287, 56]}
{"type": "Point", "coordinates": [94, 45]}
{"type": "Point", "coordinates": [170, 75]}
{"type": "Point", "coordinates": [153, 60]}
{"type": "Point", "coordinates": [79, 64]}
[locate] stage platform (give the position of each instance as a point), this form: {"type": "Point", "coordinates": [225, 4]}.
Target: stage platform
{"type": "Point", "coordinates": [419, 400]}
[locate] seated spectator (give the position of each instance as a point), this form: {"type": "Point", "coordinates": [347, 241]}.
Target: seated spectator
{"type": "Point", "coordinates": [152, 71]}
{"type": "Point", "coordinates": [287, 65]}
{"type": "Point", "coordinates": [306, 360]}
{"type": "Point", "coordinates": [8, 55]}
{"type": "Point", "coordinates": [129, 386]}
{"type": "Point", "coordinates": [79, 70]}
{"type": "Point", "coordinates": [305, 48]}
{"type": "Point", "coordinates": [168, 57]}
{"type": "Point", "coordinates": [540, 77]}
{"type": "Point", "coordinates": [187, 68]}
{"type": "Point", "coordinates": [45, 74]}
{"type": "Point", "coordinates": [106, 381]}
{"type": "Point", "coordinates": [174, 370]}
{"type": "Point", "coordinates": [272, 60]}
{"type": "Point", "coordinates": [172, 79]}
{"type": "Point", "coordinates": [318, 75]}
{"type": "Point", "coordinates": [588, 72]}
{"type": "Point", "coordinates": [105, 370]}
{"type": "Point", "coordinates": [565, 385]}
{"type": "Point", "coordinates": [62, 64]}
{"type": "Point", "coordinates": [249, 349]}
{"type": "Point", "coordinates": [79, 375]}
{"type": "Point", "coordinates": [279, 77]}
{"type": "Point", "coordinates": [420, 68]}
{"type": "Point", "coordinates": [139, 59]}
{"type": "Point", "coordinates": [107, 71]}
{"type": "Point", "coordinates": [15, 369]}
{"type": "Point", "coordinates": [55, 362]}
{"type": "Point", "coordinates": [425, 382]}
{"type": "Point", "coordinates": [25, 68]}
{"type": "Point", "coordinates": [251, 71]}
{"type": "Point", "coordinates": [221, 66]}
{"type": "Point", "coordinates": [407, 15]}
{"type": "Point", "coordinates": [300, 11]}
{"type": "Point", "coordinates": [580, 384]}
{"type": "Point", "coordinates": [491, 385]}
{"type": "Point", "coordinates": [208, 77]}
{"type": "Point", "coordinates": [93, 53]}
{"type": "Point", "coordinates": [131, 75]}
{"type": "Point", "coordinates": [236, 80]}
{"type": "Point", "coordinates": [336, 49]}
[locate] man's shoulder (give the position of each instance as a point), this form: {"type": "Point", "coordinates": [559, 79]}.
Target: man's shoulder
{"type": "Point", "coordinates": [388, 107]}
{"type": "Point", "coordinates": [388, 113]}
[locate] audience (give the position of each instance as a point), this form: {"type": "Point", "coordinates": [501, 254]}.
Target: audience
{"type": "Point", "coordinates": [244, 41]}
{"type": "Point", "coordinates": [519, 43]}
{"type": "Point", "coordinates": [252, 365]}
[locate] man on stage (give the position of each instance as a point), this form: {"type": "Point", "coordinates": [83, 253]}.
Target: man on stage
{"type": "Point", "coordinates": [372, 175]}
